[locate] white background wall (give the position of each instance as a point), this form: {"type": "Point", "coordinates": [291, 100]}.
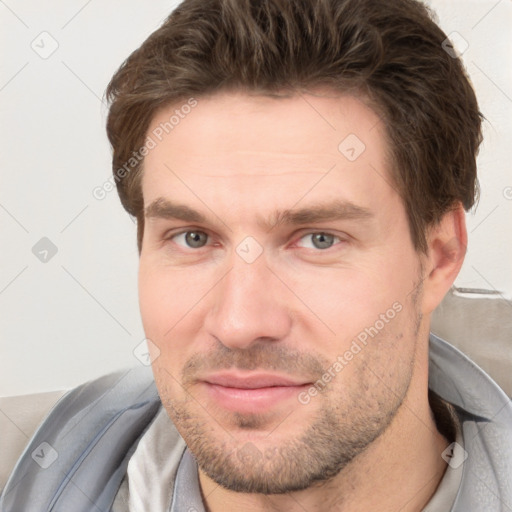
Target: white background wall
{"type": "Point", "coordinates": [76, 316]}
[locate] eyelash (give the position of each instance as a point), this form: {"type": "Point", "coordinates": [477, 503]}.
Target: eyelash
{"type": "Point", "coordinates": [337, 238]}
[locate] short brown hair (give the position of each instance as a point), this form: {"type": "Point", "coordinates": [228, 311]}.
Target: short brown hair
{"type": "Point", "coordinates": [389, 51]}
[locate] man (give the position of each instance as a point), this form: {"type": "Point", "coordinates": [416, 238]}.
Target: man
{"type": "Point", "coordinates": [299, 173]}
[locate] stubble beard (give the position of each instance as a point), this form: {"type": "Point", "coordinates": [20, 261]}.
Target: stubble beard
{"type": "Point", "coordinates": [338, 432]}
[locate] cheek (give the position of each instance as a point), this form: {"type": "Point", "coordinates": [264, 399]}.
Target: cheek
{"type": "Point", "coordinates": [172, 306]}
{"type": "Point", "coordinates": [154, 301]}
{"type": "Point", "coordinates": [159, 304]}
{"type": "Point", "coordinates": [347, 303]}
{"type": "Point", "coordinates": [166, 297]}
{"type": "Point", "coordinates": [344, 299]}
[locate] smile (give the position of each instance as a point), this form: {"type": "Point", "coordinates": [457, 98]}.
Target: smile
{"type": "Point", "coordinates": [251, 393]}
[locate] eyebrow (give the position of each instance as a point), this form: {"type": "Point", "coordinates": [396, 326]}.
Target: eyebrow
{"type": "Point", "coordinates": [332, 211]}
{"type": "Point", "coordinates": [165, 209]}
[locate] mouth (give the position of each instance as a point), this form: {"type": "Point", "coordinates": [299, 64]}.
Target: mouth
{"type": "Point", "coordinates": [251, 393]}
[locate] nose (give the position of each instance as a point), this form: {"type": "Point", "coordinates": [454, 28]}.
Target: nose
{"type": "Point", "coordinates": [248, 306]}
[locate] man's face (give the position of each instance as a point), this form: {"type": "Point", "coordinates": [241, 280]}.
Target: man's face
{"type": "Point", "coordinates": [276, 255]}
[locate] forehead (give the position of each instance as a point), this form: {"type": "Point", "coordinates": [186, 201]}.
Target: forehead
{"type": "Point", "coordinates": [264, 149]}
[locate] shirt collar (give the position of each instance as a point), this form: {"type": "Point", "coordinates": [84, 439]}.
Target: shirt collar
{"type": "Point", "coordinates": [187, 494]}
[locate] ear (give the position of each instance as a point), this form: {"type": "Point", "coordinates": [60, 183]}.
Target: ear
{"type": "Point", "coordinates": [447, 243]}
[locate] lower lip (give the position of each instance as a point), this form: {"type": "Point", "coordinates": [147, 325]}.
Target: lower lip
{"type": "Point", "coordinates": [253, 401]}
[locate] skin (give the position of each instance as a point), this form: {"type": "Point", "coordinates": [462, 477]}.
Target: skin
{"type": "Point", "coordinates": [367, 440]}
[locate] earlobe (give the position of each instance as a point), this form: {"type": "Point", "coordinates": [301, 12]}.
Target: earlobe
{"type": "Point", "coordinates": [447, 243]}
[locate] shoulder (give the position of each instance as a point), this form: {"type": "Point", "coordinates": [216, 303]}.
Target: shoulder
{"type": "Point", "coordinates": [83, 445]}
{"type": "Point", "coordinates": [485, 415]}
{"type": "Point", "coordinates": [21, 415]}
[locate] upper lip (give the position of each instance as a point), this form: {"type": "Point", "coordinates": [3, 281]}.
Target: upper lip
{"type": "Point", "coordinates": [252, 380]}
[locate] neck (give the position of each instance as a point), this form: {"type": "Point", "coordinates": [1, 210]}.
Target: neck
{"type": "Point", "coordinates": [399, 471]}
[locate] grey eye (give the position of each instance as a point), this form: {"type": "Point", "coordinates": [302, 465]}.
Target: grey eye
{"type": "Point", "coordinates": [322, 240]}
{"type": "Point", "coordinates": [196, 239]}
